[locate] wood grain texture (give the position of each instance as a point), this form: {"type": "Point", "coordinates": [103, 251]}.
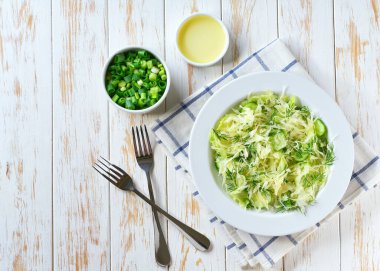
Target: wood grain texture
{"type": "Point", "coordinates": [357, 47]}
{"type": "Point", "coordinates": [80, 198]}
{"type": "Point", "coordinates": [132, 232]}
{"type": "Point", "coordinates": [25, 133]}
{"type": "Point", "coordinates": [251, 25]}
{"type": "Point", "coordinates": [307, 28]}
{"type": "Point", "coordinates": [57, 213]}
{"type": "Point", "coordinates": [187, 80]}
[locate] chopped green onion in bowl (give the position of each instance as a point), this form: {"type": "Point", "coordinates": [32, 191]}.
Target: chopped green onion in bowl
{"type": "Point", "coordinates": [272, 153]}
{"type": "Point", "coordinates": [136, 80]}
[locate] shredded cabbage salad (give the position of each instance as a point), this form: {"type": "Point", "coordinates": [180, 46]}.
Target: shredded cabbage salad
{"type": "Point", "coordinates": [272, 153]}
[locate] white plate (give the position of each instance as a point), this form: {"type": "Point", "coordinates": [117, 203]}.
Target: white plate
{"type": "Point", "coordinates": [266, 222]}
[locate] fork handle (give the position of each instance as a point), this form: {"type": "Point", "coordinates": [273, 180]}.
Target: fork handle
{"type": "Point", "coordinates": [198, 240]}
{"type": "Point", "coordinates": [162, 252]}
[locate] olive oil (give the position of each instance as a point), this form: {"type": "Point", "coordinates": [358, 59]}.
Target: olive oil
{"type": "Point", "coordinates": [201, 39]}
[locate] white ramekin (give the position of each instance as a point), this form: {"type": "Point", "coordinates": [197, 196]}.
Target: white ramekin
{"type": "Point", "coordinates": [222, 53]}
{"type": "Point", "coordinates": [140, 111]}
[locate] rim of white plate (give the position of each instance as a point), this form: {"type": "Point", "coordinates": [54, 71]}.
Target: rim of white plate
{"type": "Point", "coordinates": [265, 222]}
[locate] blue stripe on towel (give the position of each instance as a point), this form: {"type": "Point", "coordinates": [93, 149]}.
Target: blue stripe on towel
{"type": "Point", "coordinates": [182, 149]}
{"type": "Point", "coordinates": [291, 239]}
{"type": "Point", "coordinates": [291, 64]}
{"type": "Point", "coordinates": [187, 110]}
{"type": "Point", "coordinates": [230, 246]}
{"type": "Point", "coordinates": [260, 60]}
{"type": "Point", "coordinates": [212, 220]}
{"type": "Point", "coordinates": [262, 248]}
{"type": "Point", "coordinates": [355, 175]}
{"type": "Point", "coordinates": [242, 246]}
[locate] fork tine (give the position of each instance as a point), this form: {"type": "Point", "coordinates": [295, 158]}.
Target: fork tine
{"type": "Point", "coordinates": [143, 141]}
{"type": "Point", "coordinates": [139, 142]}
{"type": "Point", "coordinates": [104, 175]}
{"type": "Point", "coordinates": [115, 166]}
{"type": "Point", "coordinates": [110, 168]}
{"type": "Point", "coordinates": [115, 178]}
{"type": "Point", "coordinates": [147, 136]}
{"type": "Point", "coordinates": [134, 143]}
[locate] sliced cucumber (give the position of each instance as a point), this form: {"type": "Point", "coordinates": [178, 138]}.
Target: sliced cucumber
{"type": "Point", "coordinates": [320, 128]}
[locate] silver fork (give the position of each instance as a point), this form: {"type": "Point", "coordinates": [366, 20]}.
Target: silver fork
{"type": "Point", "coordinates": [118, 177]}
{"type": "Point", "coordinates": [144, 159]}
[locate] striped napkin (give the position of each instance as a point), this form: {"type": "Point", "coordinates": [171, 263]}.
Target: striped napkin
{"type": "Point", "coordinates": [173, 131]}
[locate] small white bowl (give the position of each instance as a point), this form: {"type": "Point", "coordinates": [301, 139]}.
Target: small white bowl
{"type": "Point", "coordinates": [145, 110]}
{"type": "Point", "coordinates": [227, 43]}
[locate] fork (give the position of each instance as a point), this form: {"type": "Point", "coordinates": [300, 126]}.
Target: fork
{"type": "Point", "coordinates": [118, 177]}
{"type": "Point", "coordinates": [145, 161]}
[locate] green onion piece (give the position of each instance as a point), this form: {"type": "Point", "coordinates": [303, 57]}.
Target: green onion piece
{"type": "Point", "coordinates": [115, 98]}
{"type": "Point", "coordinates": [115, 82]}
{"type": "Point", "coordinates": [163, 77]}
{"type": "Point", "coordinates": [141, 53]}
{"type": "Point", "coordinates": [130, 65]}
{"type": "Point", "coordinates": [129, 105]}
{"type": "Point", "coordinates": [154, 70]}
{"type": "Point", "coordinates": [122, 84]}
{"type": "Point", "coordinates": [110, 87]}
{"type": "Point", "coordinates": [162, 85]}
{"type": "Point", "coordinates": [152, 102]}
{"type": "Point", "coordinates": [135, 77]}
{"type": "Point", "coordinates": [149, 64]}
{"type": "Point", "coordinates": [152, 77]}
{"type": "Point", "coordinates": [140, 103]}
{"type": "Point", "coordinates": [121, 101]}
{"type": "Point", "coordinates": [119, 58]}
{"type": "Point", "coordinates": [128, 78]}
{"type": "Point", "coordinates": [142, 90]}
{"type": "Point", "coordinates": [154, 90]}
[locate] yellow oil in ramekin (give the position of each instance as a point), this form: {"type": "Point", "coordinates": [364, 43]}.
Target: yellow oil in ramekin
{"type": "Point", "coordinates": [201, 39]}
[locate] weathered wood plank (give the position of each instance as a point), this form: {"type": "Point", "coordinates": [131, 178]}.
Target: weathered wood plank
{"type": "Point", "coordinates": [25, 132]}
{"type": "Point", "coordinates": [357, 47]}
{"type": "Point", "coordinates": [185, 80]}
{"type": "Point", "coordinates": [132, 232]}
{"type": "Point", "coordinates": [307, 28]}
{"type": "Point", "coordinates": [80, 196]}
{"type": "Point", "coordinates": [251, 24]}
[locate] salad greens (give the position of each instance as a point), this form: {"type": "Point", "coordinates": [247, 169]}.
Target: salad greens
{"type": "Point", "coordinates": [271, 153]}
{"type": "Point", "coordinates": [135, 79]}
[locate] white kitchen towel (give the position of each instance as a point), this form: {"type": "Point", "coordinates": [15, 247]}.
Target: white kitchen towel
{"type": "Point", "coordinates": [173, 131]}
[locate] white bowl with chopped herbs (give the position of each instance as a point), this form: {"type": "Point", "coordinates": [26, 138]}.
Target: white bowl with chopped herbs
{"type": "Point", "coordinates": [136, 80]}
{"type": "Point", "coordinates": [271, 153]}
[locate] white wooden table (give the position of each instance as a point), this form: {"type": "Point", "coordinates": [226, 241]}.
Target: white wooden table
{"type": "Point", "coordinates": [57, 213]}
